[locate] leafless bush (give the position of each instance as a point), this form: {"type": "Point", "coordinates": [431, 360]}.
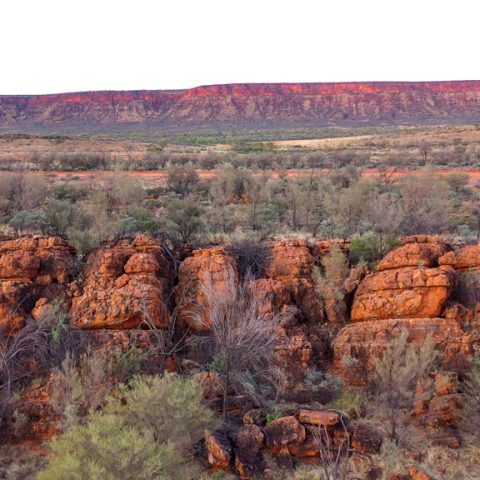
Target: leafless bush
{"type": "Point", "coordinates": [334, 456]}
{"type": "Point", "coordinates": [80, 386]}
{"type": "Point", "coordinates": [164, 343]}
{"type": "Point", "coordinates": [396, 377]}
{"type": "Point", "coordinates": [241, 339]}
{"type": "Point", "coordinates": [18, 353]}
{"type": "Point", "coordinates": [250, 256]}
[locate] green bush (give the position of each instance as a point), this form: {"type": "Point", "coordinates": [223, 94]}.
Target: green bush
{"type": "Point", "coordinates": [147, 431]}
{"type": "Point", "coordinates": [107, 448]}
{"type": "Point", "coordinates": [167, 405]}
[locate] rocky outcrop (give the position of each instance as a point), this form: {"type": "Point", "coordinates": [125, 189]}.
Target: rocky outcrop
{"type": "Point", "coordinates": [465, 258]}
{"type": "Point", "coordinates": [291, 262]}
{"type": "Point", "coordinates": [440, 405]}
{"type": "Point", "coordinates": [413, 255]}
{"type": "Point", "coordinates": [288, 281]}
{"type": "Point", "coordinates": [211, 268]}
{"type": "Point", "coordinates": [32, 269]}
{"type": "Point", "coordinates": [245, 448]}
{"type": "Point", "coordinates": [124, 284]}
{"type": "Point", "coordinates": [400, 296]}
{"type": "Point", "coordinates": [359, 345]}
{"type": "Point", "coordinates": [403, 292]}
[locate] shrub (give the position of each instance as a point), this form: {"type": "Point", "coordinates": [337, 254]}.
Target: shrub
{"type": "Point", "coordinates": [242, 338]}
{"type": "Point", "coordinates": [145, 432]}
{"type": "Point", "coordinates": [167, 405]}
{"type": "Point", "coordinates": [471, 402]}
{"type": "Point", "coordinates": [250, 256]}
{"type": "Point", "coordinates": [396, 378]}
{"type": "Point", "coordinates": [29, 221]}
{"type": "Point", "coordinates": [80, 386]}
{"type": "Point", "coordinates": [183, 220]}
{"type": "Point", "coordinates": [108, 448]}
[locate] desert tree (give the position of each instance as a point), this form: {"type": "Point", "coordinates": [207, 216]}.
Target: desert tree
{"type": "Point", "coordinates": [181, 181]}
{"type": "Point", "coordinates": [347, 207]}
{"type": "Point", "coordinates": [426, 203]}
{"type": "Point", "coordinates": [183, 220]}
{"type": "Point", "coordinates": [241, 339]}
{"type": "Point", "coordinates": [396, 377]}
{"type": "Point", "coordinates": [385, 215]}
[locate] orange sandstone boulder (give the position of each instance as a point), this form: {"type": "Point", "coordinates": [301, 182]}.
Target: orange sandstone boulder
{"type": "Point", "coordinates": [32, 268]}
{"type": "Point", "coordinates": [400, 293]}
{"type": "Point", "coordinates": [413, 255]}
{"type": "Point", "coordinates": [462, 259]}
{"type": "Point", "coordinates": [211, 266]}
{"type": "Point", "coordinates": [125, 283]}
{"type": "Point", "coordinates": [249, 438]}
{"type": "Point", "coordinates": [358, 345]}
{"type": "Point", "coordinates": [219, 450]}
{"type": "Point", "coordinates": [283, 434]}
{"type": "Point", "coordinates": [291, 262]}
{"type": "Point", "coordinates": [326, 418]}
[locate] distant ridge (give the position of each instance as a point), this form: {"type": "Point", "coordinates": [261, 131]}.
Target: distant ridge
{"type": "Point", "coordinates": [249, 105]}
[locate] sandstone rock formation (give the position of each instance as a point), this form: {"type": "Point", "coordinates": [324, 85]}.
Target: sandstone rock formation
{"type": "Point", "coordinates": [465, 258]}
{"type": "Point", "coordinates": [359, 345]}
{"type": "Point", "coordinates": [403, 292]}
{"type": "Point", "coordinates": [212, 267]}
{"type": "Point", "coordinates": [413, 255]}
{"type": "Point", "coordinates": [124, 284]}
{"type": "Point", "coordinates": [291, 262]}
{"type": "Point", "coordinates": [399, 296]}
{"type": "Point", "coordinates": [32, 268]}
{"type": "Point", "coordinates": [244, 448]}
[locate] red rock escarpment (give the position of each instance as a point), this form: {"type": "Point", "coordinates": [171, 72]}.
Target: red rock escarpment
{"type": "Point", "coordinates": [266, 104]}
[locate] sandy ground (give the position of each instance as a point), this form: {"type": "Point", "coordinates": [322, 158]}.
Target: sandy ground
{"type": "Point", "coordinates": [157, 177]}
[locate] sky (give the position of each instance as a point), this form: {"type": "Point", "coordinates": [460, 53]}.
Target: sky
{"type": "Point", "coordinates": [52, 46]}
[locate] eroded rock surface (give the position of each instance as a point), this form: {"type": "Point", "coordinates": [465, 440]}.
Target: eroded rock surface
{"type": "Point", "coordinates": [291, 262]}
{"type": "Point", "coordinates": [32, 268]}
{"type": "Point", "coordinates": [124, 284]}
{"type": "Point", "coordinates": [209, 268]}
{"type": "Point", "coordinates": [404, 292]}
{"type": "Point", "coordinates": [359, 345]}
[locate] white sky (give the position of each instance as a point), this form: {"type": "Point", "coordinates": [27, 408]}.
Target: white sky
{"type": "Point", "coordinates": [49, 46]}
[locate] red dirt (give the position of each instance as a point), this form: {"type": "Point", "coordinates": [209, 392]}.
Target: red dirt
{"type": "Point", "coordinates": [155, 176]}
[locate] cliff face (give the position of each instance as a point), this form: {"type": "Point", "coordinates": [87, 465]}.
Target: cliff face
{"type": "Point", "coordinates": [248, 105]}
